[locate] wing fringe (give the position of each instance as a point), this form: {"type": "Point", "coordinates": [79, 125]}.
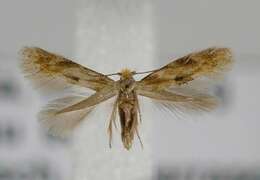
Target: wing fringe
{"type": "Point", "coordinates": [62, 124]}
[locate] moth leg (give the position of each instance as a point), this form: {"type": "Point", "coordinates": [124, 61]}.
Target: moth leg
{"type": "Point", "coordinates": [111, 121]}
{"type": "Point", "coordinates": [139, 138]}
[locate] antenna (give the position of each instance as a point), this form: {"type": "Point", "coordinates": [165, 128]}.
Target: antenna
{"type": "Point", "coordinates": [144, 72]}
{"type": "Point", "coordinates": [113, 74]}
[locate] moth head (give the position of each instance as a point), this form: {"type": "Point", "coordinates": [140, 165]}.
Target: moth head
{"type": "Point", "coordinates": [126, 74]}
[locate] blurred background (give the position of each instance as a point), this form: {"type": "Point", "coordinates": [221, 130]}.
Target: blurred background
{"type": "Point", "coordinates": [107, 35]}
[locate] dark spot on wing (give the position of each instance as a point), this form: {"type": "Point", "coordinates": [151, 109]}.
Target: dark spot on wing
{"type": "Point", "coordinates": [183, 79]}
{"type": "Point", "coordinates": [67, 64]}
{"type": "Point", "coordinates": [179, 78]}
{"type": "Point", "coordinates": [74, 78]}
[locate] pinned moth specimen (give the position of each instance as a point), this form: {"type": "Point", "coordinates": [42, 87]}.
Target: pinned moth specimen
{"type": "Point", "coordinates": [170, 85]}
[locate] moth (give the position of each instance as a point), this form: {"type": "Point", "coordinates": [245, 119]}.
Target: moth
{"type": "Point", "coordinates": [171, 85]}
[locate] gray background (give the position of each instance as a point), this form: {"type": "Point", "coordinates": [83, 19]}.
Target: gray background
{"type": "Point", "coordinates": [142, 35]}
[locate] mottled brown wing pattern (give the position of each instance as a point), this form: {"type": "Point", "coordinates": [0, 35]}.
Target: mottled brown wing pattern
{"type": "Point", "coordinates": [49, 71]}
{"type": "Point", "coordinates": [171, 85]}
{"type": "Point", "coordinates": [52, 71]}
{"type": "Point", "coordinates": [210, 62]}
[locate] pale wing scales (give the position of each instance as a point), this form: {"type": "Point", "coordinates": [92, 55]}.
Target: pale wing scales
{"type": "Point", "coordinates": [62, 124]}
{"type": "Point", "coordinates": [180, 104]}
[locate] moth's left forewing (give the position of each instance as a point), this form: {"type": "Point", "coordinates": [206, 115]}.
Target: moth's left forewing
{"type": "Point", "coordinates": [211, 62]}
{"type": "Point", "coordinates": [171, 85]}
